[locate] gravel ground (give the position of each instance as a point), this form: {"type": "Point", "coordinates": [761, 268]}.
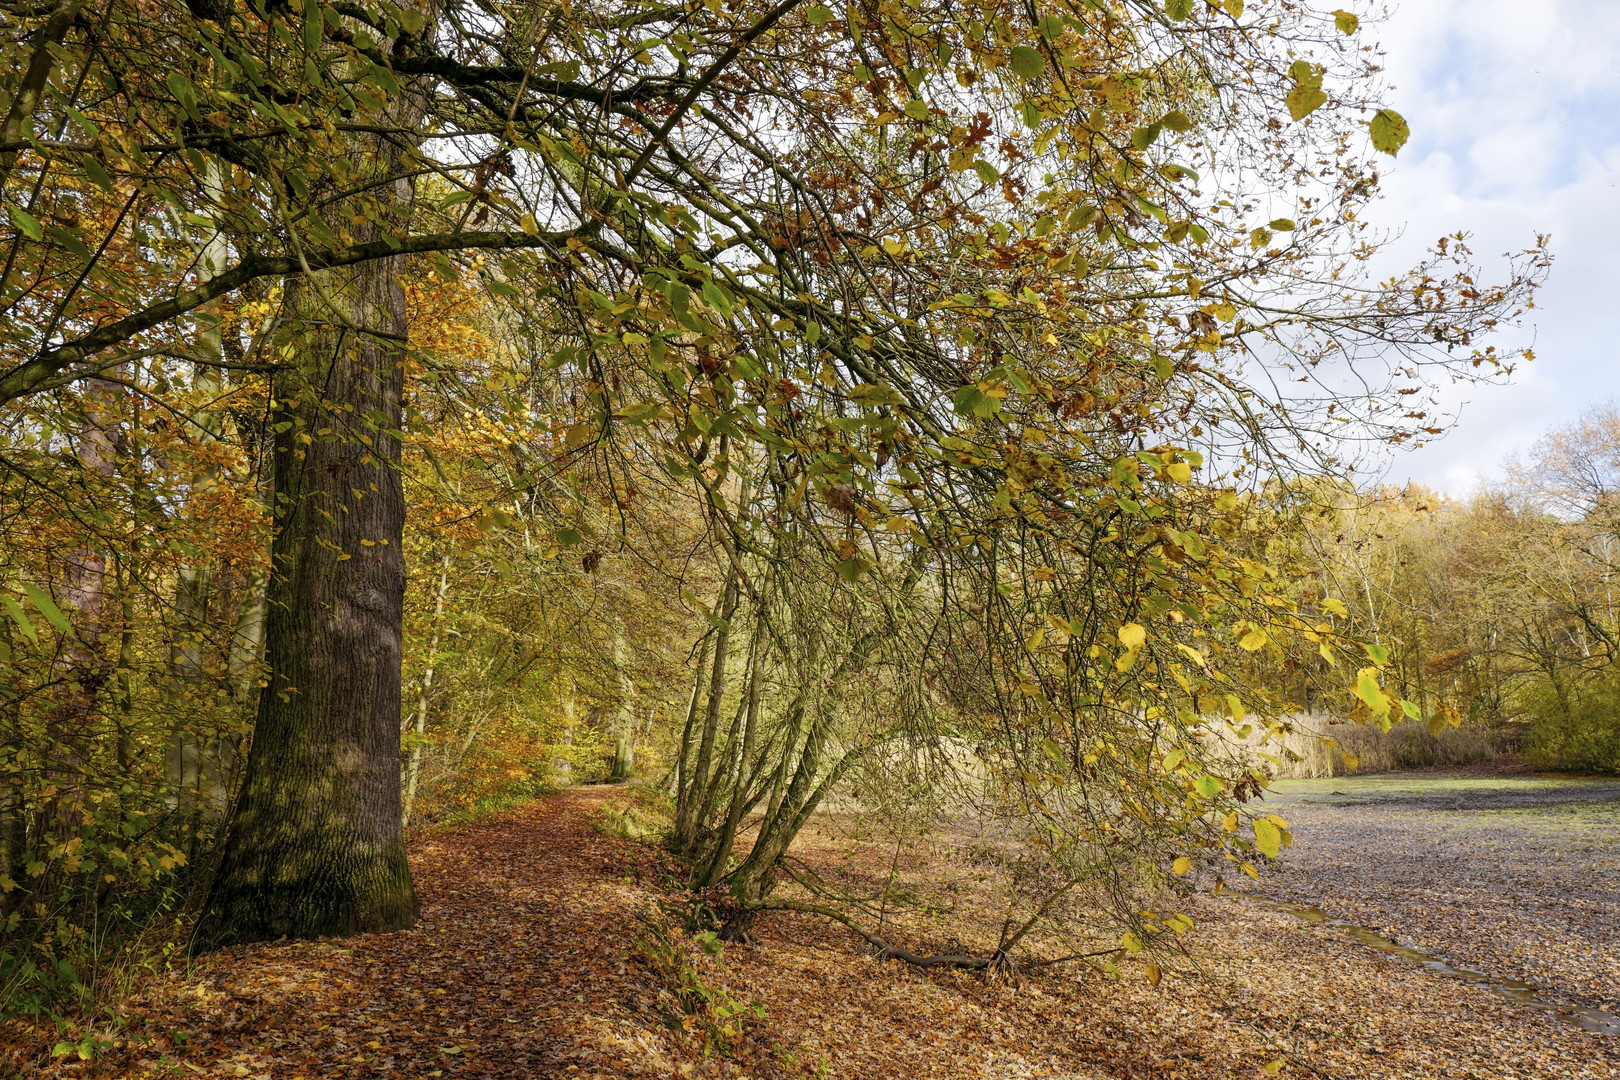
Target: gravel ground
{"type": "Point", "coordinates": [1514, 875]}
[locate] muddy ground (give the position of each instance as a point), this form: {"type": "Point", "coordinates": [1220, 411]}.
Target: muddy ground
{"type": "Point", "coordinates": [1514, 875]}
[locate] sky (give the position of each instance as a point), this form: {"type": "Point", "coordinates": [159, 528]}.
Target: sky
{"type": "Point", "coordinates": [1514, 107]}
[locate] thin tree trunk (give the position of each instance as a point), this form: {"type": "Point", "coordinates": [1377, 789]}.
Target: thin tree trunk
{"type": "Point", "coordinates": [691, 719]}
{"type": "Point", "coordinates": [739, 792]}
{"type": "Point", "coordinates": [686, 822]}
{"type": "Point", "coordinates": [247, 640]}
{"type": "Point", "coordinates": [413, 771]}
{"type": "Point", "coordinates": [189, 749]}
{"type": "Point", "coordinates": [624, 749]}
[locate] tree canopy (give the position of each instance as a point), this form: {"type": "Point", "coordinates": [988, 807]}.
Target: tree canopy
{"type": "Point", "coordinates": [897, 378]}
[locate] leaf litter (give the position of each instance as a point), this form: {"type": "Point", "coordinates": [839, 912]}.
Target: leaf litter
{"type": "Point", "coordinates": [540, 953]}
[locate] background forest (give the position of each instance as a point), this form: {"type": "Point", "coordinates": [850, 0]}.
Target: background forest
{"type": "Point", "coordinates": [409, 408]}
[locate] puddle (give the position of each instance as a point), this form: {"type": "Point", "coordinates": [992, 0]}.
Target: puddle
{"type": "Point", "coordinates": [1520, 993]}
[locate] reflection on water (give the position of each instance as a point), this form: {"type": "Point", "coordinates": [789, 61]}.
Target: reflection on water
{"type": "Point", "coordinates": [1521, 993]}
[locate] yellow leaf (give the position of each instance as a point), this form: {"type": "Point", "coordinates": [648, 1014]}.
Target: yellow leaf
{"type": "Point", "coordinates": [1368, 690]}
{"type": "Point", "coordinates": [1182, 866]}
{"type": "Point", "coordinates": [1132, 635]}
{"type": "Point", "coordinates": [1253, 640]}
{"type": "Point", "coordinates": [1180, 472]}
{"type": "Point", "coordinates": [1275, 1067]}
{"type": "Point", "coordinates": [1154, 974]}
{"type": "Point", "coordinates": [579, 434]}
{"type": "Point", "coordinates": [1327, 603]}
{"type": "Point", "coordinates": [1351, 762]}
{"type": "Point", "coordinates": [1248, 868]}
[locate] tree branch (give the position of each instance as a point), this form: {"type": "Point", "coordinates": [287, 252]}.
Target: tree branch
{"type": "Point", "coordinates": [33, 374]}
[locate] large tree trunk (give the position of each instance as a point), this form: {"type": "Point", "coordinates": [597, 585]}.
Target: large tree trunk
{"type": "Point", "coordinates": [316, 846]}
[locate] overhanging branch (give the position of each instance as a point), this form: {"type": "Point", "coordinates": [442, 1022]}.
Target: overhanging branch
{"type": "Point", "coordinates": [33, 375]}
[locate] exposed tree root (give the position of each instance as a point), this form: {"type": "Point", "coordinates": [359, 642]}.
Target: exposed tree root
{"type": "Point", "coordinates": [999, 962]}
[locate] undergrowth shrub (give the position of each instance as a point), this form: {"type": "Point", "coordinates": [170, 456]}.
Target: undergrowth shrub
{"type": "Point", "coordinates": [685, 999]}
{"type": "Point", "coordinates": [1574, 726]}
{"type": "Point", "coordinates": [645, 817]}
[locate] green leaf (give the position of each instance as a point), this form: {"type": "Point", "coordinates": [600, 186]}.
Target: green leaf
{"type": "Point", "coordinates": [98, 175]}
{"type": "Point", "coordinates": [1368, 690]}
{"type": "Point", "coordinates": [1177, 121]}
{"type": "Point", "coordinates": [970, 401]}
{"type": "Point", "coordinates": [185, 94]}
{"type": "Point", "coordinates": [717, 298]}
{"type": "Point", "coordinates": [28, 223]}
{"type": "Point", "coordinates": [1142, 138]}
{"type": "Point", "coordinates": [1305, 74]}
{"type": "Point", "coordinates": [1267, 837]}
{"type": "Point", "coordinates": [1304, 100]}
{"type": "Point", "coordinates": [986, 171]}
{"type": "Point", "coordinates": [501, 288]}
{"type": "Point", "coordinates": [818, 15]}
{"type": "Point", "coordinates": [917, 109]}
{"type": "Point", "coordinates": [1282, 224]}
{"type": "Point", "coordinates": [47, 608]}
{"type": "Point", "coordinates": [1028, 63]}
{"type": "Point", "coordinates": [1389, 131]}
{"type": "Point", "coordinates": [852, 569]}
{"type": "Point", "coordinates": [680, 298]}
{"type": "Point", "coordinates": [1050, 27]}
{"type": "Point", "coordinates": [70, 240]}
{"type": "Point", "coordinates": [1178, 9]}
{"type": "Point", "coordinates": [1207, 786]}
{"type": "Point", "coordinates": [20, 617]}
{"type": "Point", "coordinates": [875, 394]}
{"type": "Point", "coordinates": [1346, 22]}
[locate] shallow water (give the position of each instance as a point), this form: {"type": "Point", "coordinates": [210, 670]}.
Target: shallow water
{"type": "Point", "coordinates": [1520, 993]}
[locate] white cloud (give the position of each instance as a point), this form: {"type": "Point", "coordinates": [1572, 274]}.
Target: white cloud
{"type": "Point", "coordinates": [1515, 114]}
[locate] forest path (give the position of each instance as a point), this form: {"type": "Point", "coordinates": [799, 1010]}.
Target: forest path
{"type": "Point", "coordinates": [524, 966]}
{"type": "Point", "coordinates": [518, 968]}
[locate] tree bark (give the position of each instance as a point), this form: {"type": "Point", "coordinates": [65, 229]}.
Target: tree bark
{"type": "Point", "coordinates": [316, 846]}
